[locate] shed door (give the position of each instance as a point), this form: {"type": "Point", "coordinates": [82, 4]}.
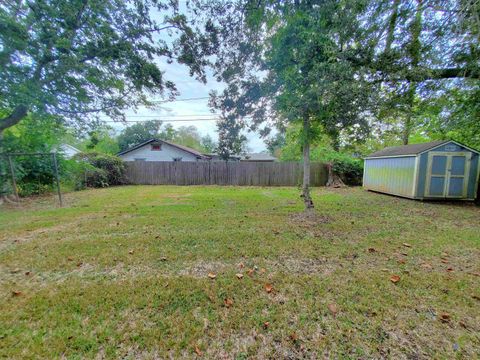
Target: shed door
{"type": "Point", "coordinates": [447, 174]}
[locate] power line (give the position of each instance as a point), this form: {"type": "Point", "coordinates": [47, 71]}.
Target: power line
{"type": "Point", "coordinates": [185, 99]}
{"type": "Point", "coordinates": [156, 119]}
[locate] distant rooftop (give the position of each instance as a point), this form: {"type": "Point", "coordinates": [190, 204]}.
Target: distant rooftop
{"type": "Point", "coordinates": [257, 157]}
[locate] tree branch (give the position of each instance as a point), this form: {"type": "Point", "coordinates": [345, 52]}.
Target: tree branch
{"type": "Point", "coordinates": [14, 118]}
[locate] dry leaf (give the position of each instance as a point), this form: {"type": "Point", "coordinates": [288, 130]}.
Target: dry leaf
{"type": "Point", "coordinates": [241, 265]}
{"type": "Point", "coordinates": [474, 273]}
{"type": "Point", "coordinates": [262, 271]}
{"type": "Point", "coordinates": [444, 254]}
{"type": "Point", "coordinates": [239, 275]}
{"type": "Point", "coordinates": [228, 302]}
{"type": "Point", "coordinates": [407, 245]}
{"type": "Point", "coordinates": [462, 324]}
{"type": "Point", "coordinates": [211, 275]}
{"type": "Point", "coordinates": [131, 252]}
{"type": "Point", "coordinates": [401, 261]}
{"type": "Point", "coordinates": [163, 258]}
{"type": "Point", "coordinates": [70, 258]}
{"type": "Point", "coordinates": [268, 288]}
{"type": "Point", "coordinates": [198, 351]}
{"type": "Point", "coordinates": [444, 317]}
{"type": "Point", "coordinates": [28, 273]}
{"type": "Point", "coordinates": [333, 309]}
{"type": "Point", "coordinates": [476, 297]}
{"type": "Point", "coordinates": [449, 269]}
{"type": "Point", "coordinates": [250, 272]}
{"type": "Point", "coordinates": [394, 279]}
{"type": "Point", "coordinates": [266, 324]}
{"type": "Point", "coordinates": [16, 293]}
{"type": "Point", "coordinates": [445, 261]}
{"type": "Point", "coordinates": [293, 336]}
{"type": "Point", "coordinates": [371, 250]}
{"type": "Point", "coordinates": [426, 266]}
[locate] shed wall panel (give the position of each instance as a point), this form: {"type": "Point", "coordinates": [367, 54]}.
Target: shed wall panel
{"type": "Point", "coordinates": [390, 175]}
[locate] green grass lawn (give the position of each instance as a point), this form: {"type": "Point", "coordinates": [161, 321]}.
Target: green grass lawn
{"type": "Point", "coordinates": [123, 273]}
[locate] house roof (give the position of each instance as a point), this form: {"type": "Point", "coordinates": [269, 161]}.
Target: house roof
{"type": "Point", "coordinates": [414, 149]}
{"type": "Point", "coordinates": [258, 157]}
{"type": "Point", "coordinates": [181, 147]}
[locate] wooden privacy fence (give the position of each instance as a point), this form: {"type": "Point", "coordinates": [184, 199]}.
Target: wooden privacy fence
{"type": "Point", "coordinates": [223, 173]}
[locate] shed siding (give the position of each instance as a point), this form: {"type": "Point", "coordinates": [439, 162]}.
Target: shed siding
{"type": "Point", "coordinates": [472, 181]}
{"type": "Point", "coordinates": [167, 153]}
{"type": "Point", "coordinates": [390, 175]}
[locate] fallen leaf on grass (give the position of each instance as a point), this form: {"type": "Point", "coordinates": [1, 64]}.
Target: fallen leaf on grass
{"type": "Point", "coordinates": [266, 324]}
{"type": "Point", "coordinates": [241, 265]}
{"type": "Point", "coordinates": [211, 275]}
{"type": "Point", "coordinates": [444, 317]}
{"type": "Point", "coordinates": [476, 297]}
{"type": "Point", "coordinates": [333, 309]}
{"type": "Point", "coordinates": [449, 269]}
{"type": "Point", "coordinates": [27, 273]}
{"type": "Point", "coordinates": [250, 272]}
{"type": "Point", "coordinates": [163, 258]}
{"type": "Point", "coordinates": [262, 271]}
{"type": "Point", "coordinates": [239, 276]}
{"type": "Point", "coordinates": [426, 266]}
{"type": "Point", "coordinates": [293, 336]}
{"type": "Point", "coordinates": [14, 271]}
{"type": "Point", "coordinates": [131, 252]}
{"type": "Point", "coordinates": [407, 245]}
{"type": "Point", "coordinates": [371, 250]}
{"type": "Point", "coordinates": [16, 293]}
{"type": "Point", "coordinates": [198, 351]}
{"type": "Point", "coordinates": [70, 258]}
{"type": "Point", "coordinates": [268, 288]}
{"type": "Point", "coordinates": [394, 279]}
{"type": "Point", "coordinates": [445, 261]}
{"type": "Point", "coordinates": [474, 273]}
{"type": "Point", "coordinates": [401, 261]}
{"type": "Point", "coordinates": [228, 302]}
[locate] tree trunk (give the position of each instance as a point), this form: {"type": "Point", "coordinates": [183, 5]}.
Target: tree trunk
{"type": "Point", "coordinates": [414, 50]}
{"type": "Point", "coordinates": [477, 200]}
{"type": "Point", "coordinates": [307, 199]}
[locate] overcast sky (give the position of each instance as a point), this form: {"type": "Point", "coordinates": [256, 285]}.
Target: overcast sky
{"type": "Point", "coordinates": [183, 110]}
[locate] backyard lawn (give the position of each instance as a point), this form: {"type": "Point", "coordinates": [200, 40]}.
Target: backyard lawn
{"type": "Point", "coordinates": [237, 272]}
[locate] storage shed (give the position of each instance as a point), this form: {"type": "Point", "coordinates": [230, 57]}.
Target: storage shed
{"type": "Point", "coordinates": [443, 169]}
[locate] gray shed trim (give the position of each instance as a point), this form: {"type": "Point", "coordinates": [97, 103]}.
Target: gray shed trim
{"type": "Point", "coordinates": [414, 149]}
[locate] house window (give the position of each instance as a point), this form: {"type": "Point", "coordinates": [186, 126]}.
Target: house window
{"type": "Point", "coordinates": [140, 159]}
{"type": "Point", "coordinates": [156, 147]}
{"type": "Point", "coordinates": [177, 159]}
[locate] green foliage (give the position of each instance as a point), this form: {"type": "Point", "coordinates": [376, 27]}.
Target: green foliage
{"type": "Point", "coordinates": [34, 174]}
{"type": "Point", "coordinates": [99, 170]}
{"type": "Point", "coordinates": [138, 133]}
{"type": "Point", "coordinates": [79, 59]}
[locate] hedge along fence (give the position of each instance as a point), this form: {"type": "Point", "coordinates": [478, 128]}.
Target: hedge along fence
{"type": "Point", "coordinates": [223, 173]}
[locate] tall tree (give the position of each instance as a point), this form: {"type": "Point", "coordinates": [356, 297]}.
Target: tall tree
{"type": "Point", "coordinates": [290, 65]}
{"type": "Point", "coordinates": [82, 59]}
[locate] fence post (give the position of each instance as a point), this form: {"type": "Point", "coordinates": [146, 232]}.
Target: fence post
{"type": "Point", "coordinates": [55, 166]}
{"type": "Point", "coordinates": [14, 181]}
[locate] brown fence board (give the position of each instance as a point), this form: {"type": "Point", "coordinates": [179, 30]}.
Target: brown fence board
{"type": "Point", "coordinates": [223, 173]}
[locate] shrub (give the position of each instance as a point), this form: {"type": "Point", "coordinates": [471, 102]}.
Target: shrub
{"type": "Point", "coordinates": [349, 169]}
{"type": "Point", "coordinates": [99, 170]}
